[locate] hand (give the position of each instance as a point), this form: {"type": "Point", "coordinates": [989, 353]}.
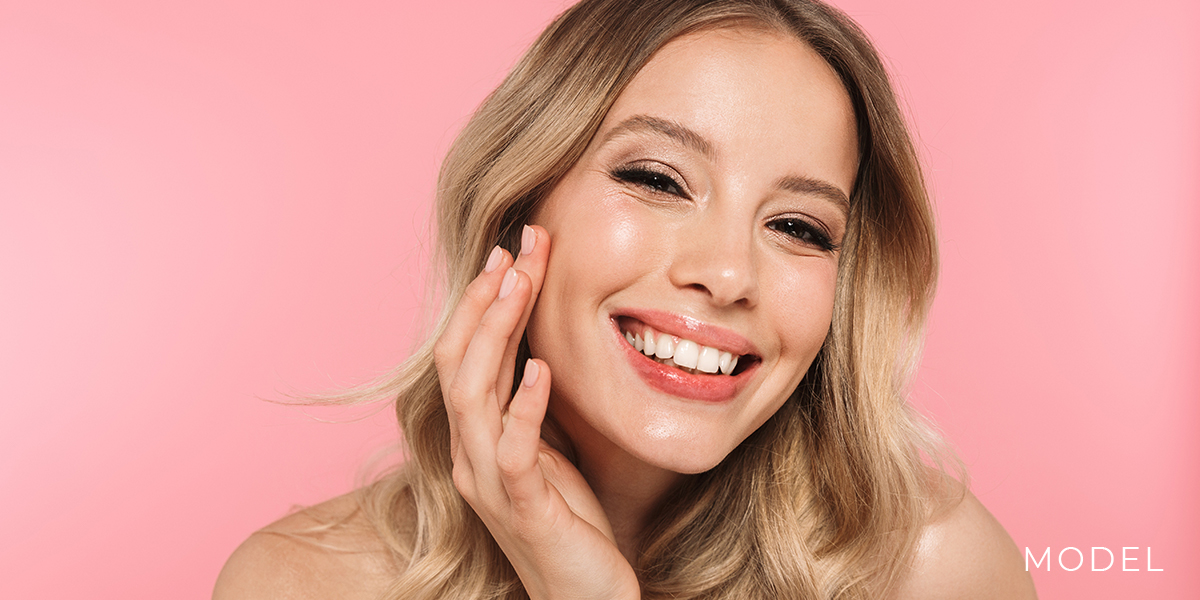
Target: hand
{"type": "Point", "coordinates": [537, 506]}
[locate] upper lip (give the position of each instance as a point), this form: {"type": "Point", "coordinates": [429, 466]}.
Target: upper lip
{"type": "Point", "coordinates": [692, 329]}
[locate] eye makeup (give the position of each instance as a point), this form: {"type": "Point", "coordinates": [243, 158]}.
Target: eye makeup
{"type": "Point", "coordinates": [647, 177]}
{"type": "Point", "coordinates": [803, 232]}
{"type": "Point", "coordinates": [654, 178]}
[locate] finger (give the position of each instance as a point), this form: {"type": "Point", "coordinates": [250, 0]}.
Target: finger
{"type": "Point", "coordinates": [519, 446]}
{"type": "Point", "coordinates": [532, 260]}
{"type": "Point", "coordinates": [452, 343]}
{"type": "Point", "coordinates": [473, 392]}
{"type": "Point", "coordinates": [476, 299]}
{"type": "Point", "coordinates": [563, 477]}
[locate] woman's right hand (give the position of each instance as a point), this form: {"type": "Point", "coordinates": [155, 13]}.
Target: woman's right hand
{"type": "Point", "coordinates": [537, 506]}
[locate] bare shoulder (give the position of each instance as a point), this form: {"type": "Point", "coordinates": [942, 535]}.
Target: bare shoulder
{"type": "Point", "coordinates": [329, 550]}
{"type": "Point", "coordinates": [964, 552]}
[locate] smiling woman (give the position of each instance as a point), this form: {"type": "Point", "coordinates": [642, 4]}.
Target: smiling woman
{"type": "Point", "coordinates": [689, 255]}
{"type": "Point", "coordinates": [680, 230]}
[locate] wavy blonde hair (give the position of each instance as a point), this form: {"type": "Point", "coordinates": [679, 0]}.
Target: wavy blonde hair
{"type": "Point", "coordinates": [827, 498]}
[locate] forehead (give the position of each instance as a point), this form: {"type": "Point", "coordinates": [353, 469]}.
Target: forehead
{"type": "Point", "coordinates": [754, 94]}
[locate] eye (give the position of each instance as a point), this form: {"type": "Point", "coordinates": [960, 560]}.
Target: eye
{"type": "Point", "coordinates": [647, 178]}
{"type": "Point", "coordinates": [803, 231]}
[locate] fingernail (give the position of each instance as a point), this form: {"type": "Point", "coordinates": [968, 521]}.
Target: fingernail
{"type": "Point", "coordinates": [531, 374]}
{"type": "Point", "coordinates": [528, 239]}
{"type": "Point", "coordinates": [510, 282]}
{"type": "Point", "coordinates": [493, 260]}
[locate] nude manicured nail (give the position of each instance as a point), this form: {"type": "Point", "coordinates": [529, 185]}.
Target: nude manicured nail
{"type": "Point", "coordinates": [510, 282]}
{"type": "Point", "coordinates": [528, 239]}
{"type": "Point", "coordinates": [493, 260]}
{"type": "Point", "coordinates": [531, 374]}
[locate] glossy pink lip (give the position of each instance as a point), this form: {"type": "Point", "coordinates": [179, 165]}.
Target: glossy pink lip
{"type": "Point", "coordinates": [691, 329]}
{"type": "Point", "coordinates": [675, 382]}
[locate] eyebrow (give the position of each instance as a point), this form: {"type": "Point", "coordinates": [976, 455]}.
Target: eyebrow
{"type": "Point", "coordinates": [796, 184]}
{"type": "Point", "coordinates": [815, 187]}
{"type": "Point", "coordinates": [665, 127]}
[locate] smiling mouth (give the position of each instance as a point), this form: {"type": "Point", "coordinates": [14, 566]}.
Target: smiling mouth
{"type": "Point", "coordinates": [681, 353]}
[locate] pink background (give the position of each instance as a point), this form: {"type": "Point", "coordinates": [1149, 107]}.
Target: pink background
{"type": "Point", "coordinates": [203, 205]}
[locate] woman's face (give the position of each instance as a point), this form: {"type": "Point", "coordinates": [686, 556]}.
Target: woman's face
{"type": "Point", "coordinates": [706, 213]}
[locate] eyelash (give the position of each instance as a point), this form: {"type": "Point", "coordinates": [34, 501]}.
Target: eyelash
{"type": "Point", "coordinates": [652, 180]}
{"type": "Point", "coordinates": [794, 227]}
{"type": "Point", "coordinates": [804, 232]}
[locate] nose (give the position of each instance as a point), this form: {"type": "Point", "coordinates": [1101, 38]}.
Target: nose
{"type": "Point", "coordinates": [714, 254]}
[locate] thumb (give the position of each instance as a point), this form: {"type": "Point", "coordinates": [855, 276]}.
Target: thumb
{"type": "Point", "coordinates": [574, 489]}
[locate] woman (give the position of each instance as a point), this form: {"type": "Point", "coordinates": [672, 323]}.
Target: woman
{"type": "Point", "coordinates": [679, 373]}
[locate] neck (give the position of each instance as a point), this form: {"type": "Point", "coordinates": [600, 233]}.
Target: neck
{"type": "Point", "coordinates": [628, 489]}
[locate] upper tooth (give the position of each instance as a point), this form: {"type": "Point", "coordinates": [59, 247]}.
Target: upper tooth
{"type": "Point", "coordinates": [684, 353]}
{"type": "Point", "coordinates": [665, 346]}
{"type": "Point", "coordinates": [687, 353]}
{"type": "Point", "coordinates": [708, 361]}
{"type": "Point", "coordinates": [732, 365]}
{"type": "Point", "coordinates": [725, 363]}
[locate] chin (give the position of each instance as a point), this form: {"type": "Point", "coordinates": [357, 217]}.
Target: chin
{"type": "Point", "coordinates": [684, 455]}
{"type": "Point", "coordinates": [692, 467]}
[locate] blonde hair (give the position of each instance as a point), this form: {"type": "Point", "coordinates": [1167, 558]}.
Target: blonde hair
{"type": "Point", "coordinates": [826, 499]}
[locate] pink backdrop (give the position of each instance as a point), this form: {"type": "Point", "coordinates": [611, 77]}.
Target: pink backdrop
{"type": "Point", "coordinates": [205, 204]}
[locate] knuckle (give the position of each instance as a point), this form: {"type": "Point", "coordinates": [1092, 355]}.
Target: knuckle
{"type": "Point", "coordinates": [495, 326]}
{"type": "Point", "coordinates": [461, 413]}
{"type": "Point", "coordinates": [443, 356]}
{"type": "Point", "coordinates": [478, 292]}
{"type": "Point", "coordinates": [464, 480]}
{"type": "Point", "coordinates": [509, 465]}
{"type": "Point", "coordinates": [460, 390]}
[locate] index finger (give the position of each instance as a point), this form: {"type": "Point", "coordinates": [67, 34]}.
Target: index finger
{"type": "Point", "coordinates": [532, 260]}
{"type": "Point", "coordinates": [452, 344]}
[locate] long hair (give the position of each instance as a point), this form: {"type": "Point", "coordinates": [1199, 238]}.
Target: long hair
{"type": "Point", "coordinates": [827, 498]}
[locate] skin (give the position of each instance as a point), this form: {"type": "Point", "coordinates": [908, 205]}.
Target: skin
{"type": "Point", "coordinates": [704, 249]}
{"type": "Point", "coordinates": [713, 237]}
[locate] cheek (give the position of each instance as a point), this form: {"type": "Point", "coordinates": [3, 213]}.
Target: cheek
{"type": "Point", "coordinates": [597, 249]}
{"type": "Point", "coordinates": [602, 225]}
{"type": "Point", "coordinates": [598, 246]}
{"type": "Point", "coordinates": [801, 302]}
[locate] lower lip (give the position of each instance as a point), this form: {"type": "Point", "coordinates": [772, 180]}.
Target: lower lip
{"type": "Point", "coordinates": [676, 382]}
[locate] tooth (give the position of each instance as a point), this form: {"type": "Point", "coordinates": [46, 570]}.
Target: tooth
{"type": "Point", "coordinates": [709, 360]}
{"type": "Point", "coordinates": [686, 353]}
{"type": "Point", "coordinates": [629, 338]}
{"type": "Point", "coordinates": [665, 348]}
{"type": "Point", "coordinates": [637, 342]}
{"type": "Point", "coordinates": [733, 364]}
{"type": "Point", "coordinates": [669, 362]}
{"type": "Point", "coordinates": [648, 346]}
{"type": "Point", "coordinates": [726, 363]}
